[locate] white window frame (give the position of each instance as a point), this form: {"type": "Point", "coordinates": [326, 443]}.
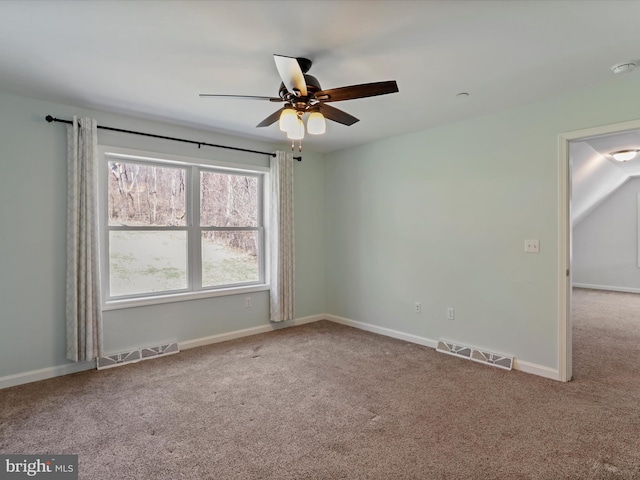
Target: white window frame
{"type": "Point", "coordinates": [193, 167]}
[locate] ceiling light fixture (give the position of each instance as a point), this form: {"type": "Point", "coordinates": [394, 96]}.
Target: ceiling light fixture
{"type": "Point", "coordinates": [624, 155]}
{"type": "Point", "coordinates": [316, 124]}
{"type": "Point", "coordinates": [296, 132]}
{"type": "Point", "coordinates": [288, 119]}
{"type": "Point", "coordinates": [291, 123]}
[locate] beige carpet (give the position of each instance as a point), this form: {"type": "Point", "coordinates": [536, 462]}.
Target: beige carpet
{"type": "Point", "coordinates": [324, 401]}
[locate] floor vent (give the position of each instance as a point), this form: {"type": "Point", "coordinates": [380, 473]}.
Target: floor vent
{"type": "Point", "coordinates": [117, 359]}
{"type": "Point", "coordinates": [480, 356]}
{"type": "Point", "coordinates": [133, 356]}
{"type": "Point", "coordinates": [169, 348]}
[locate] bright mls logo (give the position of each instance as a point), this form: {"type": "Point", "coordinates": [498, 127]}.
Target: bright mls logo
{"type": "Point", "coordinates": [49, 467]}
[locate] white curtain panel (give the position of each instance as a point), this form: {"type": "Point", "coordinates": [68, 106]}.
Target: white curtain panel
{"type": "Point", "coordinates": [84, 316]}
{"type": "Point", "coordinates": [282, 258]}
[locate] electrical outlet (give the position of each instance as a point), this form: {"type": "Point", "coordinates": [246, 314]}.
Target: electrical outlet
{"type": "Point", "coordinates": [417, 307]}
{"type": "Point", "coordinates": [247, 302]}
{"type": "Point", "coordinates": [532, 246]}
{"type": "Point", "coordinates": [450, 313]}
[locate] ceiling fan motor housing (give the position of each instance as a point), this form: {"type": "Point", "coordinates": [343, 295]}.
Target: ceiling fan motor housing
{"type": "Point", "coordinates": [305, 64]}
{"type": "Point", "coordinates": [313, 86]}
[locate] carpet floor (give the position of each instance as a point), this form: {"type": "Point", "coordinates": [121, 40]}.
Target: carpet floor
{"type": "Point", "coordinates": [325, 401]}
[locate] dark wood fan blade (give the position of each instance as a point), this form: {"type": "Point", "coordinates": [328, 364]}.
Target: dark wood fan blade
{"type": "Point", "coordinates": [250, 97]}
{"type": "Point", "coordinates": [357, 91]}
{"type": "Point", "coordinates": [274, 117]}
{"type": "Point", "coordinates": [291, 75]}
{"type": "Point", "coordinates": [336, 115]}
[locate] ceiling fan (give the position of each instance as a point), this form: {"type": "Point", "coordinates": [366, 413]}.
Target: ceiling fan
{"type": "Point", "coordinates": [301, 93]}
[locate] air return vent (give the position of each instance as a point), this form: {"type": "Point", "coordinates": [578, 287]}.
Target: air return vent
{"type": "Point", "coordinates": [144, 353]}
{"type": "Point", "coordinates": [480, 356]}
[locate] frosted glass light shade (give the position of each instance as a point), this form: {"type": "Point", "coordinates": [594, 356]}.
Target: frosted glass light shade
{"type": "Point", "coordinates": [297, 132]}
{"type": "Point", "coordinates": [624, 155]}
{"type": "Point", "coordinates": [316, 124]}
{"type": "Point", "coordinates": [288, 119]}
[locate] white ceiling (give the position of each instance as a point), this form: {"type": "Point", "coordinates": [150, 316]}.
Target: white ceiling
{"type": "Point", "coordinates": [153, 58]}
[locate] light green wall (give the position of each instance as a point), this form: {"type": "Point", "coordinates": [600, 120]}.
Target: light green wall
{"type": "Point", "coordinates": [32, 239]}
{"type": "Point", "coordinates": [437, 216]}
{"type": "Point", "coordinates": [440, 217]}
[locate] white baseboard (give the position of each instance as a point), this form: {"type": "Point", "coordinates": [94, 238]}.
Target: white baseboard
{"type": "Point", "coordinates": [384, 331]}
{"type": "Point", "coordinates": [44, 373]}
{"type": "Point", "coordinates": [223, 337]}
{"type": "Point", "coordinates": [520, 365]}
{"type": "Point", "coordinates": [607, 287]}
{"type": "Point", "coordinates": [60, 370]}
{"type": "Point", "coordinates": [57, 371]}
{"type": "Point", "coordinates": [535, 369]}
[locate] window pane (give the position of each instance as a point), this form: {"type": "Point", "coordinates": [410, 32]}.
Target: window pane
{"type": "Point", "coordinates": [146, 262]}
{"type": "Point", "coordinates": [228, 200]}
{"type": "Point", "coordinates": [146, 195]}
{"type": "Point", "coordinates": [229, 258]}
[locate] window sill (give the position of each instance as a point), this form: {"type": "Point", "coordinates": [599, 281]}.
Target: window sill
{"type": "Point", "coordinates": [180, 297]}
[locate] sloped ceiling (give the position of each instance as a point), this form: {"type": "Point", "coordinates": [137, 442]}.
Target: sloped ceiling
{"type": "Point", "coordinates": [152, 58]}
{"type": "Point", "coordinates": [595, 175]}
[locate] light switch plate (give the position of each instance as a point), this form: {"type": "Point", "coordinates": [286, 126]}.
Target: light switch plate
{"type": "Point", "coordinates": [532, 246]}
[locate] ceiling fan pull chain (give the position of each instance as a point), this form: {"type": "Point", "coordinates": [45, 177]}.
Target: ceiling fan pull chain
{"type": "Point", "coordinates": [300, 145]}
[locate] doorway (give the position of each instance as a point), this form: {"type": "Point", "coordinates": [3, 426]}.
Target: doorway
{"type": "Point", "coordinates": [572, 205]}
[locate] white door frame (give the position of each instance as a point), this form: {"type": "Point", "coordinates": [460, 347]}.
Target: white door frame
{"type": "Point", "coordinates": [565, 340]}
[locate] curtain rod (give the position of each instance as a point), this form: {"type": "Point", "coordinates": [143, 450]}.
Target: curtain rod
{"type": "Point", "coordinates": [50, 119]}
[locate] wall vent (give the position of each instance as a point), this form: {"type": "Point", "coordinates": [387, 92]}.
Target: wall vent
{"type": "Point", "coordinates": [133, 356]}
{"type": "Point", "coordinates": [494, 359]}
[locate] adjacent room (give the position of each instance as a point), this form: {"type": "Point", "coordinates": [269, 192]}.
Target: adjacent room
{"type": "Point", "coordinates": [605, 251]}
{"type": "Point", "coordinates": [320, 239]}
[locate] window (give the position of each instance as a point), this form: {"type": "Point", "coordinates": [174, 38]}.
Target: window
{"type": "Point", "coordinates": [174, 228]}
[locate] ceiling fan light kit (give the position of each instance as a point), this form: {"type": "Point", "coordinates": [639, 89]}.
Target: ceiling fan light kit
{"type": "Point", "coordinates": [297, 132]}
{"type": "Point", "coordinates": [316, 124]}
{"type": "Point", "coordinates": [302, 94]}
{"type": "Point", "coordinates": [288, 119]}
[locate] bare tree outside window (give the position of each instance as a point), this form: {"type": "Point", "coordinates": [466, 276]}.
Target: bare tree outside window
{"type": "Point", "coordinates": [149, 229]}
{"type": "Point", "coordinates": [146, 195]}
{"type": "Point", "coordinates": [229, 201]}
